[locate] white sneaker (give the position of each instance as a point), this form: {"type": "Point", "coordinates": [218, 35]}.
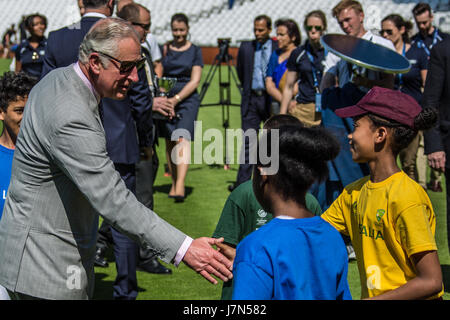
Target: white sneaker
{"type": "Point", "coordinates": [351, 253]}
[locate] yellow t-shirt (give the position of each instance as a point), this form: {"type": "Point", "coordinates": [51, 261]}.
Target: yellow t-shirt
{"type": "Point", "coordinates": [387, 222]}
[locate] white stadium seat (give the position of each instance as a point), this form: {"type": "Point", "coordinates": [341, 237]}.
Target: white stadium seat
{"type": "Point", "coordinates": [211, 19]}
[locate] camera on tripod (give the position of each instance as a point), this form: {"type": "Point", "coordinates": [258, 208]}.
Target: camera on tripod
{"type": "Point", "coordinates": [224, 44]}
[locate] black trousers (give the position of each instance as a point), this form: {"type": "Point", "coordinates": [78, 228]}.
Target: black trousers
{"type": "Point", "coordinates": [447, 187]}
{"type": "Point", "coordinates": [258, 112]}
{"type": "Point", "coordinates": [125, 250]}
{"type": "Point", "coordinates": [145, 178]}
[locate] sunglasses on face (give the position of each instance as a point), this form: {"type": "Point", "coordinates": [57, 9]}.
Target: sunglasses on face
{"type": "Point", "coordinates": [125, 66]}
{"type": "Point", "coordinates": [143, 26]}
{"type": "Point", "coordinates": [388, 31]}
{"type": "Point", "coordinates": [317, 28]}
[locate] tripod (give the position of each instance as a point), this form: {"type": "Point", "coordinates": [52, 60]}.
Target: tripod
{"type": "Point", "coordinates": [224, 87]}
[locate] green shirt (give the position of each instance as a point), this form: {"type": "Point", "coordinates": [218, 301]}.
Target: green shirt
{"type": "Point", "coordinates": [241, 215]}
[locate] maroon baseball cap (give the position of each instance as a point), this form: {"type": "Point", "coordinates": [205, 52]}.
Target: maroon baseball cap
{"type": "Point", "coordinates": [386, 103]}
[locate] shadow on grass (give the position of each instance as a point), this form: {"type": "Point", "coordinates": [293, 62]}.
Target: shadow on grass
{"type": "Point", "coordinates": [165, 188]}
{"type": "Point", "coordinates": [103, 288]}
{"type": "Point", "coordinates": [446, 277]}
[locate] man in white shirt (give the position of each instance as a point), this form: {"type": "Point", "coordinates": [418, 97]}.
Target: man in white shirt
{"type": "Point", "coordinates": [350, 17]}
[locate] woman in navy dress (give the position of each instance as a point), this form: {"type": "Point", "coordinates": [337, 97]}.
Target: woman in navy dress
{"type": "Point", "coordinates": [182, 60]}
{"type": "Point", "coordinates": [30, 53]}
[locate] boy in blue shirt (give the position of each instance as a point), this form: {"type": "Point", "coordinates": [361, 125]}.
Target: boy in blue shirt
{"type": "Point", "coordinates": [14, 90]}
{"type": "Point", "coordinates": [295, 255]}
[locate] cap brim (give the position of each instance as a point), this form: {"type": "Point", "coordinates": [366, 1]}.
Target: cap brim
{"type": "Point", "coordinates": [349, 112]}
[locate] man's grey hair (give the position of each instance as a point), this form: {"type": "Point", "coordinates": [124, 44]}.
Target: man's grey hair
{"type": "Point", "coordinates": [104, 37]}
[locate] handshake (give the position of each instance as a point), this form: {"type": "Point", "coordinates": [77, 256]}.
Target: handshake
{"type": "Point", "coordinates": [206, 261]}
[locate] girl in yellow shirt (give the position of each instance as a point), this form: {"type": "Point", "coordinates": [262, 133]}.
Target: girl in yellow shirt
{"type": "Point", "coordinates": [387, 215]}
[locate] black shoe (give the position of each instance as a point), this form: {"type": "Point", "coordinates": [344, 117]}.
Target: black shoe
{"type": "Point", "coordinates": [99, 260]}
{"type": "Point", "coordinates": [153, 266]}
{"type": "Point", "coordinates": [179, 199]}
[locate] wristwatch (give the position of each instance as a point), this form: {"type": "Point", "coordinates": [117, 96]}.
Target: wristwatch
{"type": "Point", "coordinates": [178, 98]}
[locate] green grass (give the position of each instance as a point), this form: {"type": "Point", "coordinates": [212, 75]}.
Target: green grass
{"type": "Point", "coordinates": [206, 187]}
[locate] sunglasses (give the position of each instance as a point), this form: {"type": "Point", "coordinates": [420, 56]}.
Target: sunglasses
{"type": "Point", "coordinates": [125, 66]}
{"type": "Point", "coordinates": [317, 28]}
{"type": "Point", "coordinates": [143, 26]}
{"type": "Point", "coordinates": [388, 31]}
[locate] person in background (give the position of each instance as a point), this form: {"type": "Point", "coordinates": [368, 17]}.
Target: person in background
{"type": "Point", "coordinates": [81, 7]}
{"type": "Point", "coordinates": [31, 52]}
{"type": "Point", "coordinates": [285, 259]}
{"type": "Point", "coordinates": [181, 60]}
{"type": "Point", "coordinates": [427, 37]}
{"type": "Point", "coordinates": [252, 60]}
{"type": "Point", "coordinates": [242, 214]}
{"type": "Point", "coordinates": [305, 65]}
{"type": "Point", "coordinates": [396, 29]}
{"type": "Point", "coordinates": [437, 95]}
{"type": "Point", "coordinates": [14, 90]}
{"type": "Point", "coordinates": [288, 37]}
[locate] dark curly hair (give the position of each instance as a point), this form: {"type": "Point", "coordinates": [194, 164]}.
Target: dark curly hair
{"type": "Point", "coordinates": [402, 134]}
{"type": "Point", "coordinates": [303, 156]}
{"type": "Point", "coordinates": [13, 86]}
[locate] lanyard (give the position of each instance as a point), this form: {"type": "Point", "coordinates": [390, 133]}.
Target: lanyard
{"type": "Point", "coordinates": [436, 38]}
{"type": "Point", "coordinates": [315, 72]}
{"type": "Point", "coordinates": [400, 75]}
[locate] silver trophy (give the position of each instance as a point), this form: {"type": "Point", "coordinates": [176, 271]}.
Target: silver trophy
{"type": "Point", "coordinates": [166, 84]}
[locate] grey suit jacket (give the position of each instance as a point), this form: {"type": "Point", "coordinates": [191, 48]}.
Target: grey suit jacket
{"type": "Point", "coordinates": [62, 179]}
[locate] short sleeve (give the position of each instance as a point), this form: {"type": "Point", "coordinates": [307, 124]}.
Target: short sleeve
{"type": "Point", "coordinates": [273, 62]}
{"type": "Point", "coordinates": [230, 223]}
{"type": "Point", "coordinates": [330, 64]}
{"type": "Point", "coordinates": [335, 214]}
{"type": "Point", "coordinates": [291, 64]}
{"type": "Point", "coordinates": [18, 53]}
{"type": "Point", "coordinates": [198, 59]}
{"type": "Point", "coordinates": [313, 205]}
{"type": "Point", "coordinates": [414, 231]}
{"type": "Point", "coordinates": [251, 282]}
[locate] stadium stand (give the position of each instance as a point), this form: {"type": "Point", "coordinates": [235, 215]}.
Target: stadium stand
{"type": "Point", "coordinates": [212, 19]}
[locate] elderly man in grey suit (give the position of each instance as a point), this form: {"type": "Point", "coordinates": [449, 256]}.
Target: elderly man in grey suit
{"type": "Point", "coordinates": [62, 179]}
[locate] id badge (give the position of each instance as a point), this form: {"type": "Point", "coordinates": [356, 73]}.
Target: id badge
{"type": "Point", "coordinates": [318, 102]}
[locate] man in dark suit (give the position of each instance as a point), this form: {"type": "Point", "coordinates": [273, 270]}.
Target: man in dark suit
{"type": "Point", "coordinates": [121, 120]}
{"type": "Point", "coordinates": [147, 167]}
{"type": "Point", "coordinates": [437, 95]}
{"type": "Point", "coordinates": [62, 45]}
{"type": "Point", "coordinates": [253, 58]}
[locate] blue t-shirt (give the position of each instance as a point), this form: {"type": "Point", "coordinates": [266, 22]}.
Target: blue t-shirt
{"type": "Point", "coordinates": [299, 259]}
{"type": "Point", "coordinates": [6, 157]}
{"type": "Point", "coordinates": [276, 70]}
{"type": "Point", "coordinates": [411, 82]}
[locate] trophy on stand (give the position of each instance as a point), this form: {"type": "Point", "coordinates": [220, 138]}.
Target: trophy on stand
{"type": "Point", "coordinates": [165, 84]}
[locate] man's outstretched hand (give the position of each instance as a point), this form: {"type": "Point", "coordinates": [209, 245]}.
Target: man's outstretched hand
{"type": "Point", "coordinates": [202, 258]}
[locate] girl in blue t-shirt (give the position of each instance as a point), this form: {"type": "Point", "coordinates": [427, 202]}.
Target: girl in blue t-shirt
{"type": "Point", "coordinates": [296, 255]}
